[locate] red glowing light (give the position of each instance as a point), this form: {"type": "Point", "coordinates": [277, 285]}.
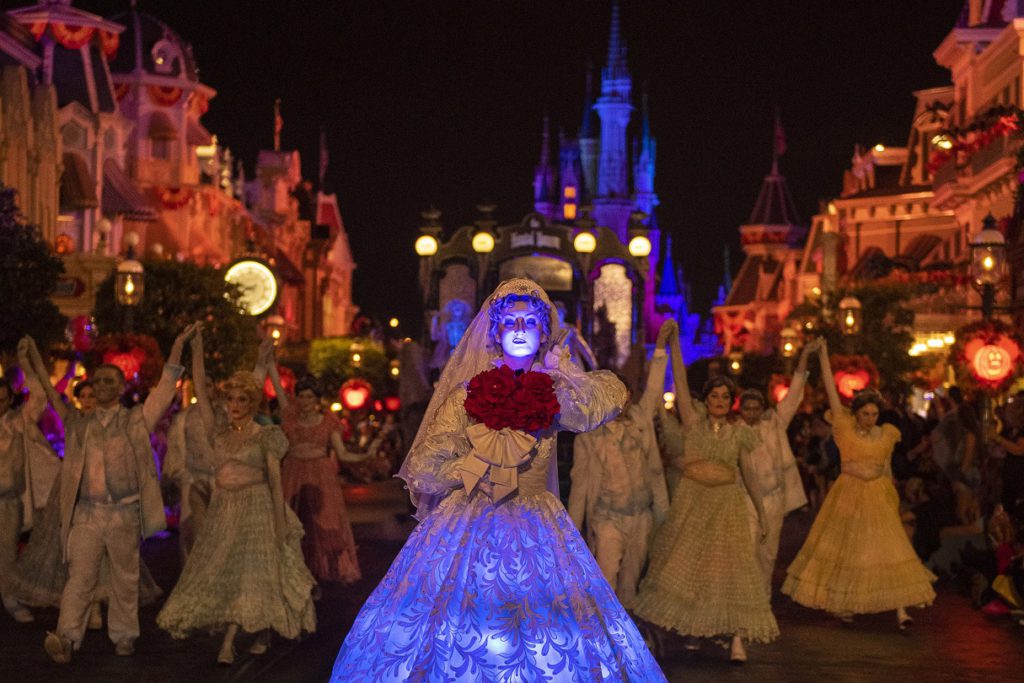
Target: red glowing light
{"type": "Point", "coordinates": [354, 394]}
{"type": "Point", "coordinates": [849, 382]}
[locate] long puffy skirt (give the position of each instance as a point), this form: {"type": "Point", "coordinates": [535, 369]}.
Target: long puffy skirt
{"type": "Point", "coordinates": [505, 593]}
{"type": "Point", "coordinates": [41, 572]}
{"type": "Point", "coordinates": [312, 489]}
{"type": "Point", "coordinates": [704, 579]}
{"type": "Point", "coordinates": [238, 573]}
{"type": "Point", "coordinates": [857, 557]}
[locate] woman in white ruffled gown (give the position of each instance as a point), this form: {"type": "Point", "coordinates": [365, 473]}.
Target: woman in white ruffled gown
{"type": "Point", "coordinates": [498, 591]}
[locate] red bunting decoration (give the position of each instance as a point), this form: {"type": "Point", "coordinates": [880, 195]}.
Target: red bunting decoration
{"type": "Point", "coordinates": [165, 96]}
{"type": "Point", "coordinates": [174, 198]}
{"type": "Point", "coordinates": [109, 42]}
{"type": "Point", "coordinates": [71, 37]}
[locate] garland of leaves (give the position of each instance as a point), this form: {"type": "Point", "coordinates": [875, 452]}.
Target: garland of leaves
{"type": "Point", "coordinates": [996, 123]}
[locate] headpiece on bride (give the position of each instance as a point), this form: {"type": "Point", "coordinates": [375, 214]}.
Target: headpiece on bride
{"type": "Point", "coordinates": [477, 351]}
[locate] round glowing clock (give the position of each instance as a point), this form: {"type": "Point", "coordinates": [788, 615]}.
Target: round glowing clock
{"type": "Point", "coordinates": [256, 283]}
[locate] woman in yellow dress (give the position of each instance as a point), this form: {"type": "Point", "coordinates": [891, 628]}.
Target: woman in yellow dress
{"type": "Point", "coordinates": [857, 558]}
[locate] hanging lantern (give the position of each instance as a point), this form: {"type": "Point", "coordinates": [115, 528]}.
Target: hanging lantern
{"type": "Point", "coordinates": [988, 255]}
{"type": "Point", "coordinates": [392, 404]}
{"type": "Point", "coordinates": [788, 342]}
{"type": "Point", "coordinates": [483, 242]}
{"type": "Point", "coordinates": [736, 362]}
{"type": "Point", "coordinates": [850, 315]}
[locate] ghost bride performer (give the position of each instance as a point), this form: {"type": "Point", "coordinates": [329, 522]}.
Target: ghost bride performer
{"type": "Point", "coordinates": [496, 583]}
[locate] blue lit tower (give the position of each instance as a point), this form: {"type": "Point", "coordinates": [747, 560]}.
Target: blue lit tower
{"type": "Point", "coordinates": [644, 197]}
{"type": "Point", "coordinates": [612, 204]}
{"type": "Point", "coordinates": [545, 181]}
{"type": "Point", "coordinates": [590, 144]}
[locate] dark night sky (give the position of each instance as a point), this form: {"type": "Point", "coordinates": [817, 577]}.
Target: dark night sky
{"type": "Point", "coordinates": [429, 102]}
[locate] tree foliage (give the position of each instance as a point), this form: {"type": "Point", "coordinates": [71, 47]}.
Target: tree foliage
{"type": "Point", "coordinates": [28, 276]}
{"type": "Point", "coordinates": [886, 333]}
{"type": "Point", "coordinates": [178, 294]}
{"type": "Point", "coordinates": [330, 361]}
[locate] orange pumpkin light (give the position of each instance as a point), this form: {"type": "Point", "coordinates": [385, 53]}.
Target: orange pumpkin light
{"type": "Point", "coordinates": [992, 363]}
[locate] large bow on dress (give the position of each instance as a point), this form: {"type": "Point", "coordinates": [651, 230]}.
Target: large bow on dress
{"type": "Point", "coordinates": [498, 454]}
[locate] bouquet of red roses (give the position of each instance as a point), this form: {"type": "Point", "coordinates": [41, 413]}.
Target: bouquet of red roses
{"type": "Point", "coordinates": [501, 399]}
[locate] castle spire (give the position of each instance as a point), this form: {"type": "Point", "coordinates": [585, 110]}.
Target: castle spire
{"type": "Point", "coordinates": [616, 68]}
{"type": "Point", "coordinates": [612, 204]}
{"type": "Point", "coordinates": [544, 180]}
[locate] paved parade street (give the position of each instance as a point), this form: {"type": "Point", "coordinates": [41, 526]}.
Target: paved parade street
{"type": "Point", "coordinates": [951, 641]}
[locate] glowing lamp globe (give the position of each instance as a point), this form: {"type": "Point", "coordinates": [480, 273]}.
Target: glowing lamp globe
{"type": "Point", "coordinates": [426, 245]}
{"type": "Point", "coordinates": [779, 392]}
{"type": "Point", "coordinates": [640, 246]}
{"type": "Point", "coordinates": [392, 404]}
{"type": "Point", "coordinates": [483, 242]}
{"type": "Point", "coordinates": [129, 282]}
{"type": "Point", "coordinates": [585, 242]}
{"type": "Point", "coordinates": [992, 363]}
{"type": "Point", "coordinates": [988, 255]}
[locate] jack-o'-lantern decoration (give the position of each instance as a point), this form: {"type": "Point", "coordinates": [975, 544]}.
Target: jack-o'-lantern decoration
{"type": "Point", "coordinates": [853, 374]}
{"type": "Point", "coordinates": [992, 363]}
{"type": "Point", "coordinates": [849, 383]}
{"type": "Point", "coordinates": [987, 354]}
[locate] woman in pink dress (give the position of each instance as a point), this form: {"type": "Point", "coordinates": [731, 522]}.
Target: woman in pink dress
{"type": "Point", "coordinates": [310, 481]}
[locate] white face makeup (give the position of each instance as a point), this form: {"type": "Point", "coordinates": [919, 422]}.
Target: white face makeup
{"type": "Point", "coordinates": [520, 330]}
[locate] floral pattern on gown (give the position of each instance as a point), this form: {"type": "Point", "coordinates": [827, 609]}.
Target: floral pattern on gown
{"type": "Point", "coordinates": [704, 579]}
{"type": "Point", "coordinates": [237, 572]}
{"type": "Point", "coordinates": [507, 592]}
{"type": "Point", "coordinates": [857, 557]}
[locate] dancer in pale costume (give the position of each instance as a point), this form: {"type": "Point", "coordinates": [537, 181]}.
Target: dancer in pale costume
{"type": "Point", "coordinates": [41, 572]}
{"type": "Point", "coordinates": [703, 579]}
{"type": "Point", "coordinates": [191, 461]}
{"type": "Point", "coordinates": [309, 477]}
{"type": "Point", "coordinates": [778, 479]}
{"type": "Point", "coordinates": [618, 485]}
{"type": "Point", "coordinates": [109, 499]}
{"type": "Point", "coordinates": [17, 426]}
{"type": "Point", "coordinates": [503, 588]}
{"type": "Point", "coordinates": [857, 558]}
{"type": "Point", "coordinates": [245, 571]}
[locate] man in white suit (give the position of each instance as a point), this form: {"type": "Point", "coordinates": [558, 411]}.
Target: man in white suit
{"type": "Point", "coordinates": [109, 499]}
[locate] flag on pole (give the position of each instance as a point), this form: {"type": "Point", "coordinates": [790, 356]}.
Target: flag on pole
{"type": "Point", "coordinates": [324, 158]}
{"type": "Point", "coordinates": [278, 124]}
{"type": "Point", "coordinates": [780, 137]}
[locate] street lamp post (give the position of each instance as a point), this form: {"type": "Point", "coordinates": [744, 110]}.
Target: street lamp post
{"type": "Point", "coordinates": [988, 267]}
{"type": "Point", "coordinates": [585, 243]}
{"type": "Point", "coordinates": [129, 280]}
{"type": "Point", "coordinates": [988, 264]}
{"type": "Point", "coordinates": [483, 242]}
{"type": "Point", "coordinates": [426, 247]}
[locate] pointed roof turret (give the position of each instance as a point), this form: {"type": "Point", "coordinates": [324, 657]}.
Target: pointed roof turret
{"type": "Point", "coordinates": [616, 68]}
{"type": "Point", "coordinates": [669, 285]}
{"type": "Point", "coordinates": [774, 205]}
{"type": "Point", "coordinates": [589, 127]}
{"type": "Point", "coordinates": [544, 177]}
